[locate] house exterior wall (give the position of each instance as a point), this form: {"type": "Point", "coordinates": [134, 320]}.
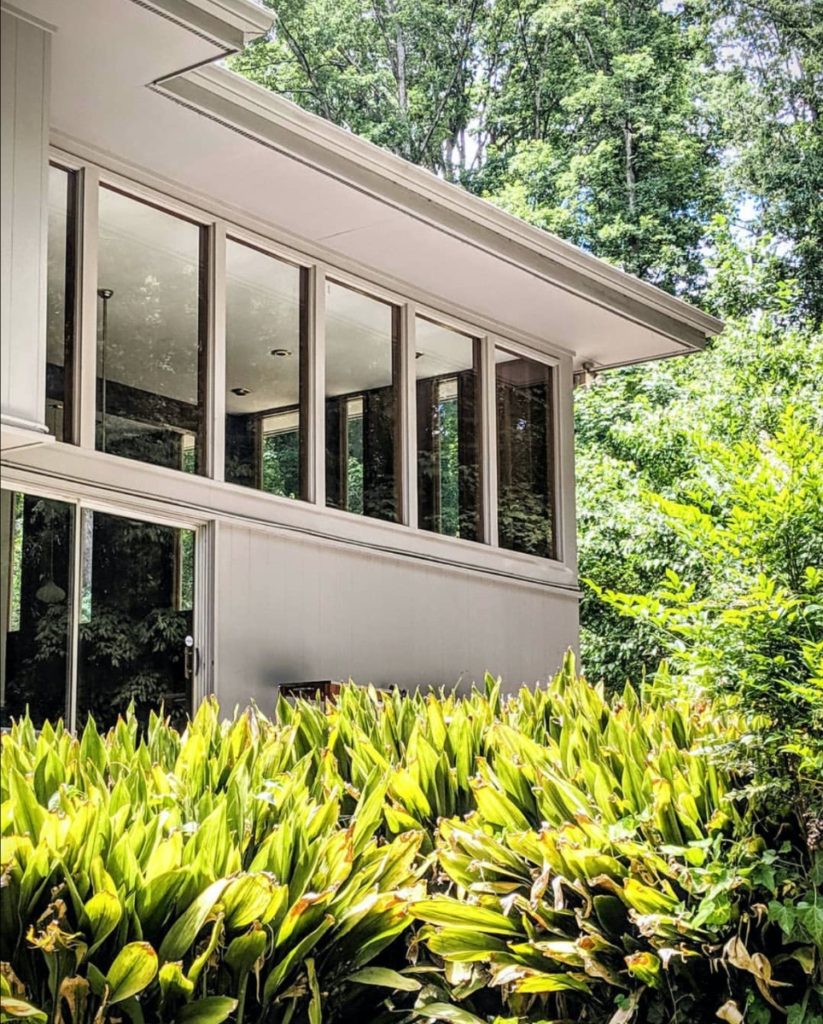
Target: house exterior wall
{"type": "Point", "coordinates": [24, 123]}
{"type": "Point", "coordinates": [300, 608]}
{"type": "Point", "coordinates": [285, 590]}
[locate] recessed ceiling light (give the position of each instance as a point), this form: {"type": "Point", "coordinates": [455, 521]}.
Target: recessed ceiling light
{"type": "Point", "coordinates": [280, 352]}
{"type": "Point", "coordinates": [241, 392]}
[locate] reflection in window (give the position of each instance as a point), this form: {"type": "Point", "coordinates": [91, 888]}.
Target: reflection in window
{"type": "Point", "coordinates": [35, 570]}
{"type": "Point", "coordinates": [265, 367]}
{"type": "Point", "coordinates": [525, 455]}
{"type": "Point", "coordinates": [362, 395]}
{"type": "Point", "coordinates": [448, 471]}
{"type": "Point", "coordinates": [151, 334]}
{"type": "Point", "coordinates": [60, 285]}
{"type": "Point", "coordinates": [138, 585]}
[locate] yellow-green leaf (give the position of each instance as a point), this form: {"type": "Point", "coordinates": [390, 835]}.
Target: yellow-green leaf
{"type": "Point", "coordinates": [133, 970]}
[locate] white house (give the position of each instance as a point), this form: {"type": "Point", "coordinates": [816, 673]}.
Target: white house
{"type": "Point", "coordinates": [277, 406]}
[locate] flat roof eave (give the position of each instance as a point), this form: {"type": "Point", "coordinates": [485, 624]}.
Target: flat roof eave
{"type": "Point", "coordinates": [230, 24]}
{"type": "Point", "coordinates": [220, 93]}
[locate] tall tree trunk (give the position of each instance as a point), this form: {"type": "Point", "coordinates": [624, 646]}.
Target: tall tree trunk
{"type": "Point", "coordinates": [631, 179]}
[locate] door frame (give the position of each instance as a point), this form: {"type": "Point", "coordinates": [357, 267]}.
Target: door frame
{"type": "Point", "coordinates": [93, 499]}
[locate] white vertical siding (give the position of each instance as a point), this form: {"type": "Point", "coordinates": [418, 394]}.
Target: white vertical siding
{"type": "Point", "coordinates": [24, 105]}
{"type": "Point", "coordinates": [293, 609]}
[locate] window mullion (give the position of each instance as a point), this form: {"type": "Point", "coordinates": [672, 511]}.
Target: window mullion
{"type": "Point", "coordinates": [316, 397]}
{"type": "Point", "coordinates": [215, 411]}
{"type": "Point", "coordinates": [84, 403]}
{"type": "Point", "coordinates": [75, 598]}
{"type": "Point", "coordinates": [564, 479]}
{"type": "Point", "coordinates": [408, 414]}
{"type": "Point", "coordinates": [488, 441]}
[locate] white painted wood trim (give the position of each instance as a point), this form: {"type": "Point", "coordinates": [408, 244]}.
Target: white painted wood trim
{"type": "Point", "coordinates": [85, 348]}
{"type": "Point", "coordinates": [316, 399]}
{"type": "Point", "coordinates": [205, 611]}
{"type": "Point", "coordinates": [75, 592]}
{"type": "Point", "coordinates": [566, 509]}
{"type": "Point", "coordinates": [488, 441]}
{"type": "Point", "coordinates": [215, 412]}
{"type": "Point", "coordinates": [228, 24]}
{"type": "Point", "coordinates": [169, 496]}
{"type": "Point", "coordinates": [408, 413]}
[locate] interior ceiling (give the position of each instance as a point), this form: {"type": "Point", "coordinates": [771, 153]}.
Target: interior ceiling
{"type": "Point", "coordinates": [105, 52]}
{"type": "Point", "coordinates": [148, 260]}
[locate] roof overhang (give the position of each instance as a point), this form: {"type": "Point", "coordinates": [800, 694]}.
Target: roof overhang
{"type": "Point", "coordinates": [145, 92]}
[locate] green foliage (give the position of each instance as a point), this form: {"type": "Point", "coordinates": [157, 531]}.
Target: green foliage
{"type": "Point", "coordinates": [554, 854]}
{"type": "Point", "coordinates": [156, 875]}
{"type": "Point", "coordinates": [652, 429]}
{"type": "Point", "coordinates": [748, 625]}
{"type": "Point", "coordinates": [767, 92]}
{"type": "Point", "coordinates": [605, 134]}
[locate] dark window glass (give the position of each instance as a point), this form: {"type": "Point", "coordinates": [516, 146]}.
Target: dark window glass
{"type": "Point", "coordinates": [60, 302]}
{"type": "Point", "coordinates": [525, 455]}
{"type": "Point", "coordinates": [151, 334]}
{"type": "Point", "coordinates": [362, 404]}
{"type": "Point", "coordinates": [35, 571]}
{"type": "Point", "coordinates": [137, 587]}
{"type": "Point", "coordinates": [447, 368]}
{"type": "Point", "coordinates": [265, 368]}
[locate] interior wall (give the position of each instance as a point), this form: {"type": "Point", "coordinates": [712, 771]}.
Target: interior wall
{"type": "Point", "coordinates": [293, 608]}
{"type": "Point", "coordinates": [24, 95]}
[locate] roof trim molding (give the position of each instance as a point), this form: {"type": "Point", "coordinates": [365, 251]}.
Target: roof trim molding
{"type": "Point", "coordinates": [258, 113]}
{"type": "Point", "coordinates": [16, 12]}
{"type": "Point", "coordinates": [229, 24]}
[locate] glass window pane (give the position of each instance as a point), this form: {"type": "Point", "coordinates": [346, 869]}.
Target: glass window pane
{"type": "Point", "coordinates": [362, 396]}
{"type": "Point", "coordinates": [525, 455]}
{"type": "Point", "coordinates": [136, 612]}
{"type": "Point", "coordinates": [151, 334]}
{"type": "Point", "coordinates": [35, 571]}
{"type": "Point", "coordinates": [265, 364]}
{"type": "Point", "coordinates": [447, 367]}
{"type": "Point", "coordinates": [60, 302]}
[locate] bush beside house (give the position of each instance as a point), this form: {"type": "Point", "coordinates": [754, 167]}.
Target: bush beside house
{"type": "Point", "coordinates": [553, 856]}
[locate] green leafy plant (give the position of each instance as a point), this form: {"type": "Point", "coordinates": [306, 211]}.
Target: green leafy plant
{"type": "Point", "coordinates": [554, 854]}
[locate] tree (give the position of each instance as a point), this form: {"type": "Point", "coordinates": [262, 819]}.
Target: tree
{"type": "Point", "coordinates": [603, 136]}
{"type": "Point", "coordinates": [587, 119]}
{"type": "Point", "coordinates": [398, 72]}
{"type": "Point", "coordinates": [644, 430]}
{"type": "Point", "coordinates": [768, 90]}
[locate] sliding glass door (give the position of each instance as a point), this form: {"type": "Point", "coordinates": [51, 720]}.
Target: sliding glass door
{"type": "Point", "coordinates": [97, 613]}
{"type": "Point", "coordinates": [36, 569]}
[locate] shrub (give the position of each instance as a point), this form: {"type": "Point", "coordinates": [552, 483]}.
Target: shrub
{"type": "Point", "coordinates": [556, 854]}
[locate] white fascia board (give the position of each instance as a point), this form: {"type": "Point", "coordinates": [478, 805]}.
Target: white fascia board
{"type": "Point", "coordinates": [229, 24]}
{"type": "Point", "coordinates": [17, 12]}
{"type": "Point", "coordinates": [283, 126]}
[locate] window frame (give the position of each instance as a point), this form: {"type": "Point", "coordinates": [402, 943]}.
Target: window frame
{"type": "Point", "coordinates": [307, 357]}
{"type": "Point", "coordinates": [204, 454]}
{"type": "Point", "coordinates": [399, 346]}
{"type": "Point", "coordinates": [71, 339]}
{"type": "Point", "coordinates": [204, 596]}
{"type": "Point", "coordinates": [486, 513]}
{"type": "Point", "coordinates": [559, 539]}
{"type": "Point", "coordinates": [222, 223]}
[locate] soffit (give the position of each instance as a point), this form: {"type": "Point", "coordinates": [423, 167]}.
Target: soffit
{"type": "Point", "coordinates": [212, 135]}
